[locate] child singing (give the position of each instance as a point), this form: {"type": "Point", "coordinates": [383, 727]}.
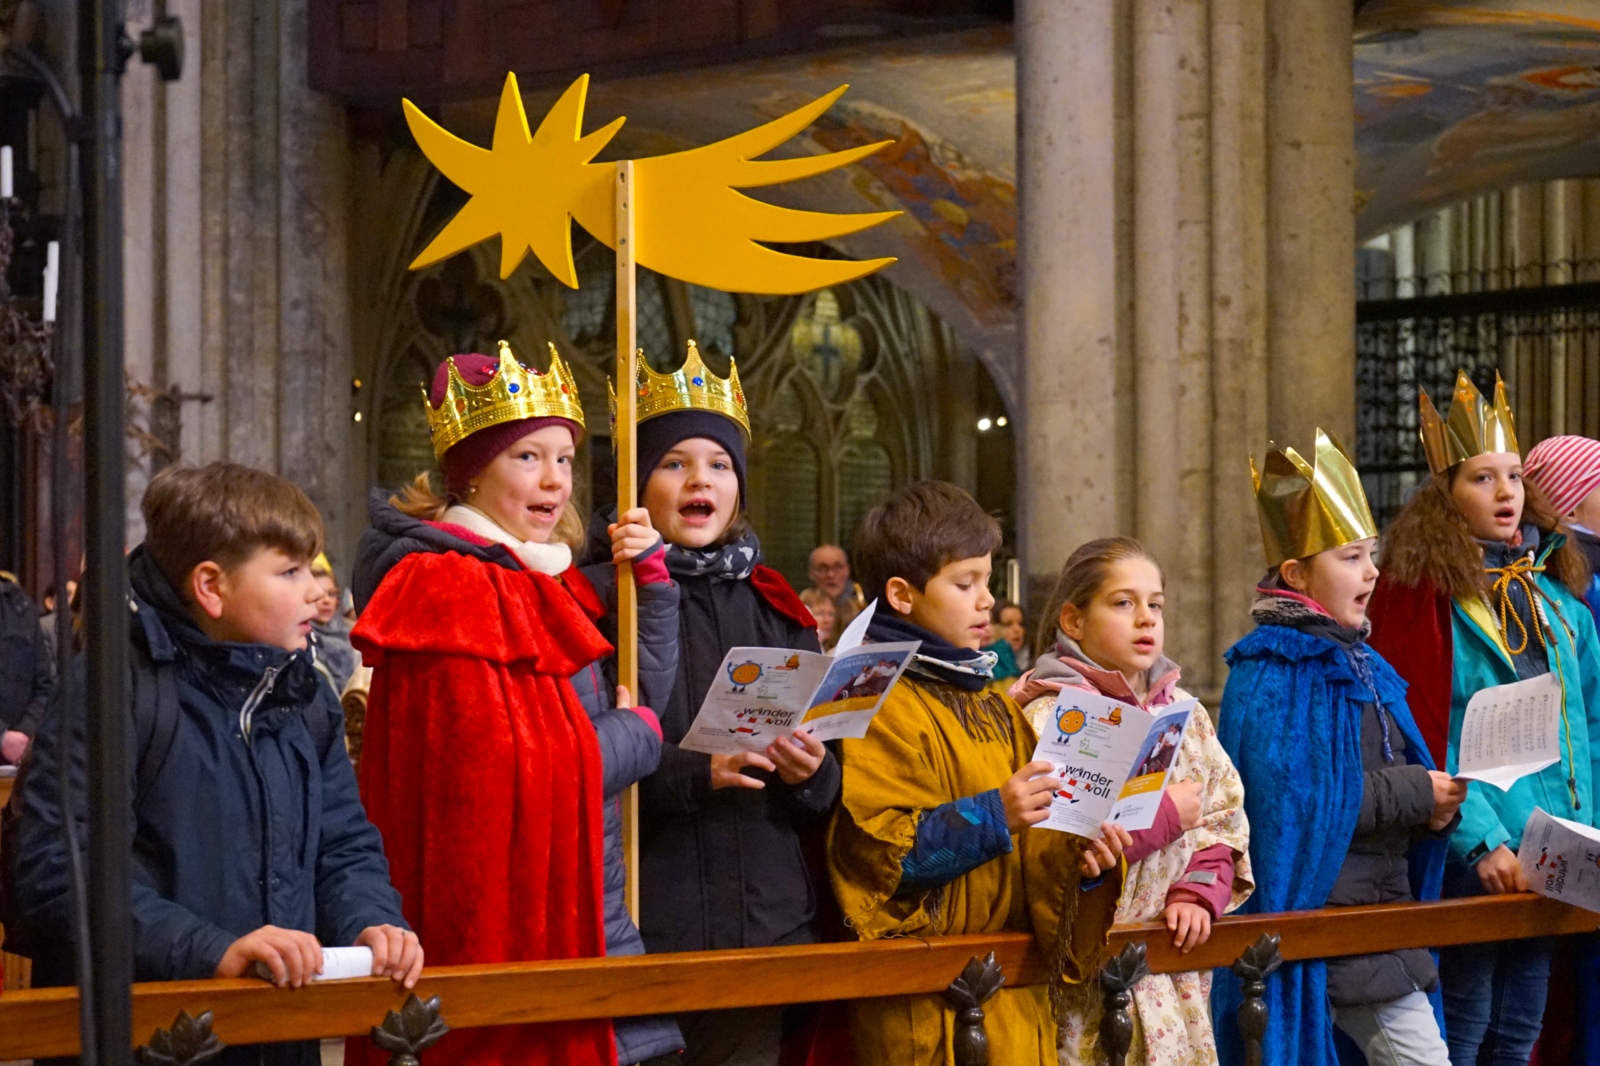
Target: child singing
{"type": "Point", "coordinates": [1192, 865]}
{"type": "Point", "coordinates": [1345, 805]}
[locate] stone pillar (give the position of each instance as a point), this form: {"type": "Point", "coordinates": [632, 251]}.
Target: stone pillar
{"type": "Point", "coordinates": [1186, 183]}
{"type": "Point", "coordinates": [1076, 471]}
{"type": "Point", "coordinates": [1310, 216]}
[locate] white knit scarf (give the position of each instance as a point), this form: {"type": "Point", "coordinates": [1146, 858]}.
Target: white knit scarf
{"type": "Point", "coordinates": [552, 558]}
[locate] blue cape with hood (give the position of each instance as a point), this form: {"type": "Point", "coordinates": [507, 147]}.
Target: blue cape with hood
{"type": "Point", "coordinates": [1291, 722]}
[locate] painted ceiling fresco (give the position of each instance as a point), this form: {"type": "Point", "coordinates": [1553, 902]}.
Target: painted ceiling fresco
{"type": "Point", "coordinates": [1454, 99]}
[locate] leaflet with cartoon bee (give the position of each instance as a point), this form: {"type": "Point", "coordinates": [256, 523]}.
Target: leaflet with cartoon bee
{"type": "Point", "coordinates": [761, 694]}
{"type": "Point", "coordinates": [1113, 760]}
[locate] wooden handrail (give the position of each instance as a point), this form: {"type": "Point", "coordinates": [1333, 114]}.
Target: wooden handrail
{"type": "Point", "coordinates": [43, 1023]}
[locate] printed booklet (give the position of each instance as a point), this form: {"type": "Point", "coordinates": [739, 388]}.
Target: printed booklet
{"type": "Point", "coordinates": [1511, 731]}
{"type": "Point", "coordinates": [761, 694]}
{"type": "Point", "coordinates": [1561, 859]}
{"type": "Point", "coordinates": [1113, 759]}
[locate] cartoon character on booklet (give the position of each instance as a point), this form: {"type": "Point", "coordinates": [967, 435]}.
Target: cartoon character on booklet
{"type": "Point", "coordinates": [1070, 720]}
{"type": "Point", "coordinates": [743, 675]}
{"type": "Point", "coordinates": [748, 720]}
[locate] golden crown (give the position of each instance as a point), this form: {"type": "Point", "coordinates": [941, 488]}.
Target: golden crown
{"type": "Point", "coordinates": [1305, 508]}
{"type": "Point", "coordinates": [692, 387]}
{"type": "Point", "coordinates": [514, 393]}
{"type": "Point", "coordinates": [1472, 428]}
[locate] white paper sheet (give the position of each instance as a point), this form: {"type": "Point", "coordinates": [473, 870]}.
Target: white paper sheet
{"type": "Point", "coordinates": [761, 694]}
{"type": "Point", "coordinates": [1561, 859]}
{"type": "Point", "coordinates": [1510, 731]}
{"type": "Point", "coordinates": [1114, 760]}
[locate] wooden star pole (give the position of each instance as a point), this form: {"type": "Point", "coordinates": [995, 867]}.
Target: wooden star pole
{"type": "Point", "coordinates": [683, 215]}
{"type": "Point", "coordinates": [625, 438]}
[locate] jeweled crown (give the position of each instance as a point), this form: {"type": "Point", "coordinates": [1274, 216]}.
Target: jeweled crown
{"type": "Point", "coordinates": [1473, 427]}
{"type": "Point", "coordinates": [1306, 508]}
{"type": "Point", "coordinates": [514, 393]}
{"type": "Point", "coordinates": [692, 387]}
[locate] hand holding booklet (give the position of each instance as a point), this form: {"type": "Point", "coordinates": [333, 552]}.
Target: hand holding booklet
{"type": "Point", "coordinates": [761, 694]}
{"type": "Point", "coordinates": [1114, 760]}
{"type": "Point", "coordinates": [1561, 859]}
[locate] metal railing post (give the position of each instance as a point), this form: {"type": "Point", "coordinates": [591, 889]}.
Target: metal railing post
{"type": "Point", "coordinates": [1117, 979]}
{"type": "Point", "coordinates": [979, 980]}
{"type": "Point", "coordinates": [1253, 968]}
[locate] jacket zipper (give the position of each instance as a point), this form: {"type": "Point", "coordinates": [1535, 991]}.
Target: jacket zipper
{"type": "Point", "coordinates": [263, 689]}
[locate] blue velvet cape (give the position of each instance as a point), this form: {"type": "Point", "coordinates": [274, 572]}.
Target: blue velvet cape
{"type": "Point", "coordinates": [1291, 722]}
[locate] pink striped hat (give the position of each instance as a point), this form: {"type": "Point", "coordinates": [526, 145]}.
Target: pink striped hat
{"type": "Point", "coordinates": [1566, 469]}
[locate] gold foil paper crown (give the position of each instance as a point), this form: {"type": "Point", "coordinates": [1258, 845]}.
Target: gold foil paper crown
{"type": "Point", "coordinates": [692, 387]}
{"type": "Point", "coordinates": [1306, 508]}
{"type": "Point", "coordinates": [514, 393]}
{"type": "Point", "coordinates": [1472, 428]}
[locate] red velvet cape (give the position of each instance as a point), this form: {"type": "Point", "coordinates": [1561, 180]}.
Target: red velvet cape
{"type": "Point", "coordinates": [481, 770]}
{"type": "Point", "coordinates": [1411, 628]}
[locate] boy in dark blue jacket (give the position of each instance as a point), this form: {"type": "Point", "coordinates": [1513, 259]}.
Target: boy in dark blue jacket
{"type": "Point", "coordinates": [250, 842]}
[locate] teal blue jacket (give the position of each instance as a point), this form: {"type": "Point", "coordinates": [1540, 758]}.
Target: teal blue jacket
{"type": "Point", "coordinates": [1480, 659]}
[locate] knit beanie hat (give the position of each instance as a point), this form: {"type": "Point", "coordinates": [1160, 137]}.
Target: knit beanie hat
{"type": "Point", "coordinates": [466, 458]}
{"type": "Point", "coordinates": [659, 435]}
{"type": "Point", "coordinates": [1566, 469]}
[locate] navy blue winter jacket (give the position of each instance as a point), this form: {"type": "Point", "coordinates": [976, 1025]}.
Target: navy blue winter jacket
{"type": "Point", "coordinates": [249, 822]}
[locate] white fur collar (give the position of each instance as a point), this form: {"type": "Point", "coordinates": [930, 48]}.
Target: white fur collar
{"type": "Point", "coordinates": [553, 558]}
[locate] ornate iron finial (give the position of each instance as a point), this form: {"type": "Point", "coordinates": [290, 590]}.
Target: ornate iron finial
{"type": "Point", "coordinates": [189, 1041]}
{"type": "Point", "coordinates": [410, 1031]}
{"type": "Point", "coordinates": [967, 994]}
{"type": "Point", "coordinates": [1253, 968]}
{"type": "Point", "coordinates": [1117, 979]}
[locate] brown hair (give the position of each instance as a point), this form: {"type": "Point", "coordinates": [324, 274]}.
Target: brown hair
{"type": "Point", "coordinates": [997, 612]}
{"type": "Point", "coordinates": [1429, 542]}
{"type": "Point", "coordinates": [223, 513]}
{"type": "Point", "coordinates": [917, 532]}
{"type": "Point", "coordinates": [420, 500]}
{"type": "Point", "coordinates": [1082, 576]}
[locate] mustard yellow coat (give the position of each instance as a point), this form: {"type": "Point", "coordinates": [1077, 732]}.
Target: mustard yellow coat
{"type": "Point", "coordinates": [933, 744]}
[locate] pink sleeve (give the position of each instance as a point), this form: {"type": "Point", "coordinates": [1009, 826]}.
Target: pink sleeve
{"type": "Point", "coordinates": [1213, 888]}
{"type": "Point", "coordinates": [651, 569]}
{"type": "Point", "coordinates": [650, 719]}
{"type": "Point", "coordinates": [1164, 830]}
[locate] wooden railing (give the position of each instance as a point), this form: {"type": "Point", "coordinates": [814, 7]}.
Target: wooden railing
{"type": "Point", "coordinates": [44, 1022]}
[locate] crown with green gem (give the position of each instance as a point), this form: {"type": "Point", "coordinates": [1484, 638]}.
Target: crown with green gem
{"type": "Point", "coordinates": [692, 387]}
{"type": "Point", "coordinates": [514, 393]}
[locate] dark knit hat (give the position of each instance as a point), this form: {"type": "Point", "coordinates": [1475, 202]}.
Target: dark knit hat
{"type": "Point", "coordinates": [659, 435]}
{"type": "Point", "coordinates": [466, 458]}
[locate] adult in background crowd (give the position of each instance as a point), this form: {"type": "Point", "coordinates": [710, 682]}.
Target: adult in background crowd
{"type": "Point", "coordinates": [25, 674]}
{"type": "Point", "coordinates": [829, 571]}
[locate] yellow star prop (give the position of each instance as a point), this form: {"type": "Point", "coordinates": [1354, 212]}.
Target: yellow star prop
{"type": "Point", "coordinates": [691, 220]}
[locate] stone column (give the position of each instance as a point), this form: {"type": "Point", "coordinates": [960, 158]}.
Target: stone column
{"type": "Point", "coordinates": [1311, 208]}
{"type": "Point", "coordinates": [1076, 472]}
{"type": "Point", "coordinates": [1187, 266]}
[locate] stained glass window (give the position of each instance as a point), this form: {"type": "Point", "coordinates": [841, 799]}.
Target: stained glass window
{"type": "Point", "coordinates": [715, 313]}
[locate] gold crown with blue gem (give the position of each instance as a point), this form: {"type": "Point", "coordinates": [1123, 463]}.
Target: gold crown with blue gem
{"type": "Point", "coordinates": [692, 387]}
{"type": "Point", "coordinates": [514, 393]}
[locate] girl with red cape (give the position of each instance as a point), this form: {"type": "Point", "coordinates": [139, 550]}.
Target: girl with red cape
{"type": "Point", "coordinates": [481, 765]}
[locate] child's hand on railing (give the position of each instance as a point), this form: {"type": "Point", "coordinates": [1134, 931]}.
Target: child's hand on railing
{"type": "Point", "coordinates": [1501, 873]}
{"type": "Point", "coordinates": [293, 957]}
{"type": "Point", "coordinates": [1185, 796]}
{"type": "Point", "coordinates": [396, 953]}
{"type": "Point", "coordinates": [1104, 850]}
{"type": "Point", "coordinates": [1448, 795]}
{"type": "Point", "coordinates": [1026, 797]}
{"type": "Point", "coordinates": [1190, 924]}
